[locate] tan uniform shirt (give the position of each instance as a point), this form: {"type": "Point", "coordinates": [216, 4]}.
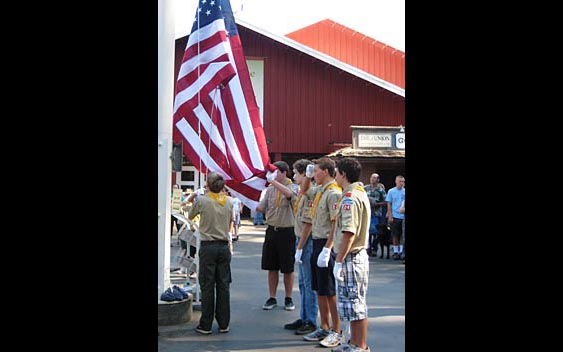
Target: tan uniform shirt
{"type": "Point", "coordinates": [278, 208]}
{"type": "Point", "coordinates": [215, 218]}
{"type": "Point", "coordinates": [353, 215]}
{"type": "Point", "coordinates": [325, 209]}
{"type": "Point", "coordinates": [301, 208]}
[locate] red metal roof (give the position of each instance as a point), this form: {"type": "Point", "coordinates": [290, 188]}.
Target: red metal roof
{"type": "Point", "coordinates": [354, 48]}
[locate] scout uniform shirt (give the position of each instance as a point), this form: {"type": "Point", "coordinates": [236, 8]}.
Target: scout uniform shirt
{"type": "Point", "coordinates": [217, 214]}
{"type": "Point", "coordinates": [323, 201]}
{"type": "Point", "coordinates": [279, 209]}
{"type": "Point", "coordinates": [301, 210]}
{"type": "Point", "coordinates": [353, 215]}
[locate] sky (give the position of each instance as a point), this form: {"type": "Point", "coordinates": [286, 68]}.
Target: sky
{"type": "Point", "coordinates": [383, 20]}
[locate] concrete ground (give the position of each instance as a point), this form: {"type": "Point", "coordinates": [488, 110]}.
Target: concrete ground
{"type": "Point", "coordinates": [255, 329]}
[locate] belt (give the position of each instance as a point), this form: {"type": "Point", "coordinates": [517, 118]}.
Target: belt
{"type": "Point", "coordinates": [208, 243]}
{"type": "Point", "coordinates": [277, 228]}
{"type": "Point", "coordinates": [353, 254]}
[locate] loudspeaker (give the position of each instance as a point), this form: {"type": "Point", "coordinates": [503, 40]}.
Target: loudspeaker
{"type": "Point", "coordinates": [177, 156]}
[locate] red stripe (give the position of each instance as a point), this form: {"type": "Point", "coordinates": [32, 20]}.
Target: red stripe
{"type": "Point", "coordinates": [221, 77]}
{"type": "Point", "coordinates": [204, 45]}
{"type": "Point", "coordinates": [235, 171]}
{"type": "Point", "coordinates": [215, 153]}
{"type": "Point", "coordinates": [190, 78]}
{"type": "Point", "coordinates": [248, 191]}
{"type": "Point", "coordinates": [234, 123]}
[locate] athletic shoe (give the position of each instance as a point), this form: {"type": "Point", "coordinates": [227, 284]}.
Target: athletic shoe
{"type": "Point", "coordinates": [270, 303]}
{"type": "Point", "coordinates": [307, 328]}
{"type": "Point", "coordinates": [295, 325]}
{"type": "Point", "coordinates": [317, 335]}
{"type": "Point", "coordinates": [332, 340]}
{"type": "Point", "coordinates": [225, 330]}
{"type": "Point", "coordinates": [201, 330]}
{"type": "Point", "coordinates": [345, 347]}
{"type": "Point", "coordinates": [289, 304]}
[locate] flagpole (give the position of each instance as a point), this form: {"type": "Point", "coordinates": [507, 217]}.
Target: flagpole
{"type": "Point", "coordinates": [200, 174]}
{"type": "Point", "coordinates": [165, 113]}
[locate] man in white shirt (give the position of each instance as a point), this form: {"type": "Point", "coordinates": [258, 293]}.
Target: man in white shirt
{"type": "Point", "coordinates": [237, 208]}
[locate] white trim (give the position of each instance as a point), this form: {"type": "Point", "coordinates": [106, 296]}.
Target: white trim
{"type": "Point", "coordinates": [318, 55]}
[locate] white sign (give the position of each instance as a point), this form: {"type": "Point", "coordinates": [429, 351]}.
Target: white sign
{"type": "Point", "coordinates": [380, 140]}
{"type": "Point", "coordinates": [176, 200]}
{"type": "Point", "coordinates": [400, 140]}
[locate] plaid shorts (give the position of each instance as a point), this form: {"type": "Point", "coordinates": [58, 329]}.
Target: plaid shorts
{"type": "Point", "coordinates": [352, 291]}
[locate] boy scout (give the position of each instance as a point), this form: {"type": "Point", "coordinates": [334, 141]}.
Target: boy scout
{"type": "Point", "coordinates": [278, 250]}
{"type": "Point", "coordinates": [351, 268]}
{"type": "Point", "coordinates": [324, 199]}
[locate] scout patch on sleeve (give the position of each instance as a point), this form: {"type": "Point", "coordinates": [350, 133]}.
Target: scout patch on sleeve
{"type": "Point", "coordinates": [347, 204]}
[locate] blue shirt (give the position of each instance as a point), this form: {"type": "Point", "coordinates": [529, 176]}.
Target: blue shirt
{"type": "Point", "coordinates": [396, 197]}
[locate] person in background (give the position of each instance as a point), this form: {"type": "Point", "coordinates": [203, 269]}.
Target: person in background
{"type": "Point", "coordinates": [278, 250]}
{"type": "Point", "coordinates": [216, 216]}
{"type": "Point", "coordinates": [187, 204]}
{"type": "Point", "coordinates": [402, 211]}
{"type": "Point", "coordinates": [376, 195]}
{"type": "Point", "coordinates": [394, 198]}
{"type": "Point", "coordinates": [351, 268]}
{"type": "Point", "coordinates": [237, 208]}
{"type": "Point", "coordinates": [172, 218]}
{"type": "Point", "coordinates": [258, 217]}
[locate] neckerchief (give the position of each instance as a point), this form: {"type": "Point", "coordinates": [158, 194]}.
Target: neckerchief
{"type": "Point", "coordinates": [221, 199]}
{"type": "Point", "coordinates": [313, 209]}
{"type": "Point", "coordinates": [297, 202]}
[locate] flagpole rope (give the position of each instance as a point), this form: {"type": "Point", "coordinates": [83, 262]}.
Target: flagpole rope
{"type": "Point", "coordinates": [199, 82]}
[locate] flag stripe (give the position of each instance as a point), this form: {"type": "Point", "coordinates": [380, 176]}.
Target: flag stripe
{"type": "Point", "coordinates": [200, 149]}
{"type": "Point", "coordinates": [209, 80]}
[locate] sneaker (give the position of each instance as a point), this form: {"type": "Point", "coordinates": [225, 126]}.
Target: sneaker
{"type": "Point", "coordinates": [317, 335]}
{"type": "Point", "coordinates": [270, 303]}
{"type": "Point", "coordinates": [307, 328]}
{"type": "Point", "coordinates": [355, 348]}
{"type": "Point", "coordinates": [225, 330]}
{"type": "Point", "coordinates": [295, 325]}
{"type": "Point", "coordinates": [201, 330]}
{"type": "Point", "coordinates": [289, 304]}
{"type": "Point", "coordinates": [349, 347]}
{"type": "Point", "coordinates": [342, 348]}
{"type": "Point", "coordinates": [333, 339]}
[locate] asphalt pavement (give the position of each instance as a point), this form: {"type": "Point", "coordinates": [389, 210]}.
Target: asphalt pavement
{"type": "Point", "coordinates": [255, 329]}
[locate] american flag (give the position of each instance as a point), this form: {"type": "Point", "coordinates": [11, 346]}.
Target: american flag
{"type": "Point", "coordinates": [215, 110]}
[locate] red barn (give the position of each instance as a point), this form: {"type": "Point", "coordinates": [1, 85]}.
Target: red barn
{"type": "Point", "coordinates": [311, 89]}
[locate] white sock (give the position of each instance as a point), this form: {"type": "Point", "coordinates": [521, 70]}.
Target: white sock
{"type": "Point", "coordinates": [395, 249]}
{"type": "Point", "coordinates": [400, 248]}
